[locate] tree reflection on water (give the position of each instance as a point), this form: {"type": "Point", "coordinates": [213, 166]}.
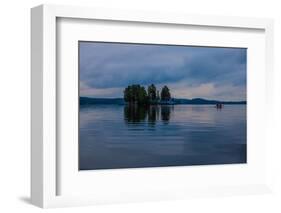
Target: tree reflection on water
{"type": "Point", "coordinates": [150, 114]}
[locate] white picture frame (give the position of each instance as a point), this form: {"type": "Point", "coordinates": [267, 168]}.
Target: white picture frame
{"type": "Point", "coordinates": [45, 166]}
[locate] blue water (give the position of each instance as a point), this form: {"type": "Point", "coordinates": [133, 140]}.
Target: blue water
{"type": "Point", "coordinates": [116, 136]}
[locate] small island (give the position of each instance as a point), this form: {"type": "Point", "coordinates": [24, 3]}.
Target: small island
{"type": "Point", "coordinates": [137, 95]}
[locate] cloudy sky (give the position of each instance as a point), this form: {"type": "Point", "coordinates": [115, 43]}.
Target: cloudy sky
{"type": "Point", "coordinates": [190, 72]}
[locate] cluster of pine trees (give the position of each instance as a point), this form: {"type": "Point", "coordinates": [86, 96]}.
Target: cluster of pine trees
{"type": "Point", "coordinates": [137, 94]}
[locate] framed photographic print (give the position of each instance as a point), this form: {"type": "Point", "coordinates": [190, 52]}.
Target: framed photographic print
{"type": "Point", "coordinates": [132, 106]}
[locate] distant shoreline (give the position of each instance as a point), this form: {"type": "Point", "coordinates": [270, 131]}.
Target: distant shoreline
{"type": "Point", "coordinates": [176, 101]}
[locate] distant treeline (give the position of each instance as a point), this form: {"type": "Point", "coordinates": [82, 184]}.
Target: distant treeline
{"type": "Point", "coordinates": [84, 101]}
{"type": "Point", "coordinates": [137, 94]}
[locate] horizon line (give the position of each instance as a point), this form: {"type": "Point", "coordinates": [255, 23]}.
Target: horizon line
{"type": "Point", "coordinates": [173, 98]}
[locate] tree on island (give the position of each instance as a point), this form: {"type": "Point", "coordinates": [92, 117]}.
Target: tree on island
{"type": "Point", "coordinates": [165, 94]}
{"type": "Point", "coordinates": [135, 94]}
{"type": "Point", "coordinates": [142, 95]}
{"type": "Point", "coordinates": [151, 90]}
{"type": "Point", "coordinates": [128, 97]}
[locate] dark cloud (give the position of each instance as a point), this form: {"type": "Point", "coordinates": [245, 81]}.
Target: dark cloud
{"type": "Point", "coordinates": [112, 65]}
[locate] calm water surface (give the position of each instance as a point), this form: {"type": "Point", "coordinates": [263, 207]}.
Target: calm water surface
{"type": "Point", "coordinates": [116, 136]}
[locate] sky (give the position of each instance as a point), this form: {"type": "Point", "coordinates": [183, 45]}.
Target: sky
{"type": "Point", "coordinates": [105, 69]}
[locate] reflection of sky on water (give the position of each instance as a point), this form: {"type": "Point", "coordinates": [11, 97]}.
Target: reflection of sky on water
{"type": "Point", "coordinates": [124, 137]}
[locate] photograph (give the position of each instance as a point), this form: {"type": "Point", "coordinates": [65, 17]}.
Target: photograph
{"type": "Point", "coordinates": [157, 105]}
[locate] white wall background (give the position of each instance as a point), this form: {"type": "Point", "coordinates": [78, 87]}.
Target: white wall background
{"type": "Point", "coordinates": [15, 99]}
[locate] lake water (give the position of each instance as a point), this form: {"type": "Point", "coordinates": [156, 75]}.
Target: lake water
{"type": "Point", "coordinates": [117, 136]}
